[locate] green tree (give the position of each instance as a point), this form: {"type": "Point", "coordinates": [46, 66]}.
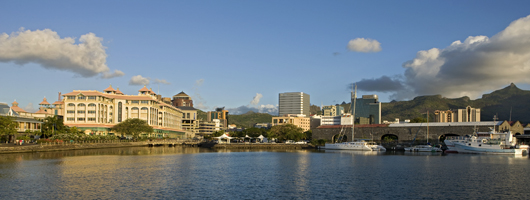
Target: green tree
{"type": "Point", "coordinates": [286, 132]}
{"type": "Point", "coordinates": [53, 125]}
{"type": "Point", "coordinates": [254, 132]}
{"type": "Point", "coordinates": [8, 126]}
{"type": "Point", "coordinates": [133, 127]}
{"type": "Point", "coordinates": [308, 135]}
{"type": "Point", "coordinates": [418, 120]}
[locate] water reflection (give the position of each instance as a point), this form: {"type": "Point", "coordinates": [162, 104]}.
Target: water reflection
{"type": "Point", "coordinates": [196, 173]}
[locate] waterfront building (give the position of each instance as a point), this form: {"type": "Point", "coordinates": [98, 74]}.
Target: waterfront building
{"type": "Point", "coordinates": [314, 121]}
{"type": "Point", "coordinates": [97, 112]}
{"type": "Point", "coordinates": [368, 110]}
{"type": "Point", "coordinates": [182, 99]}
{"type": "Point", "coordinates": [206, 128]}
{"type": "Point", "coordinates": [468, 114]}
{"type": "Point", "coordinates": [294, 103]}
{"type": "Point", "coordinates": [298, 120]}
{"type": "Point", "coordinates": [24, 123]}
{"type": "Point", "coordinates": [190, 123]}
{"type": "Point", "coordinates": [221, 114]}
{"type": "Point", "coordinates": [330, 120]}
{"type": "Point", "coordinates": [332, 110]}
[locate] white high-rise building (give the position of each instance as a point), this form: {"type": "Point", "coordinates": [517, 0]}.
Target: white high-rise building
{"type": "Point", "coordinates": [294, 103]}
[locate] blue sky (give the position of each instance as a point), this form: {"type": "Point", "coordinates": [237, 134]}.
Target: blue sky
{"type": "Point", "coordinates": [229, 53]}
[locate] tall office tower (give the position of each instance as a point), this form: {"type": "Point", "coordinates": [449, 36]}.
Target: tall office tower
{"type": "Point", "coordinates": [294, 103]}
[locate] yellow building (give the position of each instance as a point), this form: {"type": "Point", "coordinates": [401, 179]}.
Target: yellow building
{"type": "Point", "coordinates": [297, 120]}
{"type": "Point", "coordinates": [97, 112]}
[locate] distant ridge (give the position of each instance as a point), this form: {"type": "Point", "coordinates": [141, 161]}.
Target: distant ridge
{"type": "Point", "coordinates": [498, 102]}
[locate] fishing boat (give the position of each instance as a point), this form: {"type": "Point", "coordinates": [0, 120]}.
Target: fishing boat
{"type": "Point", "coordinates": [360, 145]}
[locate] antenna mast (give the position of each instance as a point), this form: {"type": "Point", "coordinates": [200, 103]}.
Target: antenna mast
{"type": "Point", "coordinates": [354, 100]}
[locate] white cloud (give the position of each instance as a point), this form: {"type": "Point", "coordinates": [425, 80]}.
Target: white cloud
{"type": "Point", "coordinates": [199, 102]}
{"type": "Point", "coordinates": [470, 68]}
{"type": "Point", "coordinates": [45, 47]}
{"type": "Point", "coordinates": [139, 80]}
{"type": "Point", "coordinates": [364, 45]}
{"type": "Point", "coordinates": [116, 73]}
{"type": "Point", "coordinates": [256, 99]}
{"type": "Point", "coordinates": [163, 81]}
{"type": "Point", "coordinates": [29, 108]}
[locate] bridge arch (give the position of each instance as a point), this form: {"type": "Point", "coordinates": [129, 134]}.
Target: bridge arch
{"type": "Point", "coordinates": [389, 138]}
{"type": "Point", "coordinates": [442, 137]}
{"type": "Point", "coordinates": [336, 137]}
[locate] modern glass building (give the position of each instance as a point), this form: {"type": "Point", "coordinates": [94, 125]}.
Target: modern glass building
{"type": "Point", "coordinates": [368, 110]}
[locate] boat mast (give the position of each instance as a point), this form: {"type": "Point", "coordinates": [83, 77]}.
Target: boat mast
{"type": "Point", "coordinates": [427, 127]}
{"type": "Point", "coordinates": [354, 98]}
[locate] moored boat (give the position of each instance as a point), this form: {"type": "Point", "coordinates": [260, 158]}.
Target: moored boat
{"type": "Point", "coordinates": [423, 148]}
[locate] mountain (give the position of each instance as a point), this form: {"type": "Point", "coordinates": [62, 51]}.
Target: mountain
{"type": "Point", "coordinates": [248, 119]}
{"type": "Point", "coordinates": [498, 102]}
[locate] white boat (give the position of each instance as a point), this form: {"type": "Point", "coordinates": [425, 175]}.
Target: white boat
{"type": "Point", "coordinates": [361, 145]}
{"type": "Point", "coordinates": [486, 142]}
{"type": "Point", "coordinates": [423, 148]}
{"type": "Point", "coordinates": [357, 145]}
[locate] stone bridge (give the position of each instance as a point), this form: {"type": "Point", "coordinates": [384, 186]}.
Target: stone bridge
{"type": "Point", "coordinates": [403, 133]}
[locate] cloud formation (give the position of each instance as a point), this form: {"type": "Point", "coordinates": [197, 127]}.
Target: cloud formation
{"type": "Point", "coordinates": [29, 108]}
{"type": "Point", "coordinates": [270, 109]}
{"type": "Point", "coordinates": [469, 68]}
{"type": "Point", "coordinates": [163, 81]}
{"type": "Point", "coordinates": [364, 45]}
{"type": "Point", "coordinates": [139, 80]}
{"type": "Point", "coordinates": [256, 99]}
{"type": "Point", "coordinates": [45, 47]}
{"type": "Point", "coordinates": [116, 73]}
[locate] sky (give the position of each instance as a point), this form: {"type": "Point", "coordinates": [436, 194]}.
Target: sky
{"type": "Point", "coordinates": [241, 54]}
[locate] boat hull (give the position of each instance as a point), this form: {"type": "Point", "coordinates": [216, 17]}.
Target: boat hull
{"type": "Point", "coordinates": [354, 146]}
{"type": "Point", "coordinates": [493, 149]}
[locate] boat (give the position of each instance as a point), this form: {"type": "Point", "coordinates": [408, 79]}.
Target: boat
{"type": "Point", "coordinates": [491, 142]}
{"type": "Point", "coordinates": [360, 145]}
{"type": "Point", "coordinates": [423, 148]}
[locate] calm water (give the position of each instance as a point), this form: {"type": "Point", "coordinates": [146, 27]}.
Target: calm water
{"type": "Point", "coordinates": [196, 173]}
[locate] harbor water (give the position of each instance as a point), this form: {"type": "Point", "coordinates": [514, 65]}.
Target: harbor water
{"type": "Point", "coordinates": [200, 173]}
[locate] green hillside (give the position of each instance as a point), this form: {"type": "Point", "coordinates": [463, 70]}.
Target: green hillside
{"type": "Point", "coordinates": [248, 119]}
{"type": "Point", "coordinates": [498, 102]}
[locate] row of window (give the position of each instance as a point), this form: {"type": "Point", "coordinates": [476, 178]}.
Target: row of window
{"type": "Point", "coordinates": [91, 119]}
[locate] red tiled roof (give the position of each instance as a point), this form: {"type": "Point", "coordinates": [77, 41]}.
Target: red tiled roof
{"type": "Point", "coordinates": [109, 89]}
{"type": "Point", "coordinates": [151, 90]}
{"type": "Point", "coordinates": [17, 109]}
{"type": "Point", "coordinates": [118, 91]}
{"type": "Point", "coordinates": [41, 112]}
{"type": "Point", "coordinates": [144, 89]}
{"type": "Point", "coordinates": [58, 102]}
{"type": "Point", "coordinates": [44, 102]}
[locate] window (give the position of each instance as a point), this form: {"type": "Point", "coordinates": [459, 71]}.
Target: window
{"type": "Point", "coordinates": [71, 104]}
{"type": "Point", "coordinates": [110, 113]}
{"type": "Point", "coordinates": [92, 97]}
{"type": "Point", "coordinates": [91, 105]}
{"type": "Point", "coordinates": [70, 111]}
{"type": "Point", "coordinates": [80, 112]}
{"type": "Point", "coordinates": [70, 119]}
{"type": "Point", "coordinates": [81, 104]}
{"type": "Point", "coordinates": [92, 119]}
{"type": "Point", "coordinates": [70, 97]}
{"type": "Point", "coordinates": [91, 112]}
{"type": "Point", "coordinates": [136, 102]}
{"type": "Point", "coordinates": [81, 119]}
{"type": "Point", "coordinates": [145, 102]}
{"type": "Point", "coordinates": [81, 97]}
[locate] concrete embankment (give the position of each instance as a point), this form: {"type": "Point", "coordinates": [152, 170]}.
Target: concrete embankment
{"type": "Point", "coordinates": [259, 146]}
{"type": "Point", "coordinates": [65, 146]}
